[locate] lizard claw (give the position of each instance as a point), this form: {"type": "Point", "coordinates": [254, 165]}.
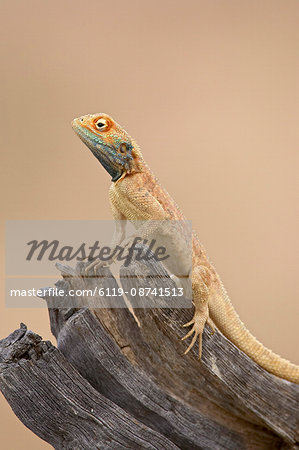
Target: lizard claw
{"type": "Point", "coordinates": [188, 323]}
{"type": "Point", "coordinates": [198, 323]}
{"type": "Point", "coordinates": [94, 265]}
{"type": "Point", "coordinates": [188, 334]}
{"type": "Point", "coordinates": [197, 334]}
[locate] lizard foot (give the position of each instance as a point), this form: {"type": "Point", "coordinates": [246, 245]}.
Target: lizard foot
{"type": "Point", "coordinates": [95, 265]}
{"type": "Point", "coordinates": [198, 323]}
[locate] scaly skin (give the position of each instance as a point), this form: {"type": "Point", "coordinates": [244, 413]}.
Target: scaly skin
{"type": "Point", "coordinates": [136, 194]}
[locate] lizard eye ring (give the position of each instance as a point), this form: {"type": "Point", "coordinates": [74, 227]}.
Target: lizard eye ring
{"type": "Point", "coordinates": [101, 124]}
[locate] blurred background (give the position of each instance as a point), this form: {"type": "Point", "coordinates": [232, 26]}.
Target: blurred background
{"type": "Point", "coordinates": [210, 91]}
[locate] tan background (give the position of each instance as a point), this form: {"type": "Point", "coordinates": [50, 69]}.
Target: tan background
{"type": "Point", "coordinates": [210, 91]}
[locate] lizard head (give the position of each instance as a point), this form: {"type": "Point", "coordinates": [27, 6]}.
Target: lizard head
{"type": "Point", "coordinates": [109, 143]}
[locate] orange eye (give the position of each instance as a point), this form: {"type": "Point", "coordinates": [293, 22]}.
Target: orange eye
{"type": "Point", "coordinates": [101, 124]}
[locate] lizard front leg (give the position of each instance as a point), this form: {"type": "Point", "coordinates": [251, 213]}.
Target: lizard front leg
{"type": "Point", "coordinates": [201, 281]}
{"type": "Point", "coordinates": [139, 206]}
{"type": "Point", "coordinates": [131, 204]}
{"type": "Point", "coordinates": [118, 236]}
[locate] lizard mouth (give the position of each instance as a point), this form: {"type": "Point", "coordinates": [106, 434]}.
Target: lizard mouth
{"type": "Point", "coordinates": [103, 152]}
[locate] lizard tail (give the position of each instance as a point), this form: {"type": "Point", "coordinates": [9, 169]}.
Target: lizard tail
{"type": "Point", "coordinates": [227, 320]}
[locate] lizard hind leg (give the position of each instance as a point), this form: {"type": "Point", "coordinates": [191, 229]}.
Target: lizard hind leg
{"type": "Point", "coordinates": [200, 297]}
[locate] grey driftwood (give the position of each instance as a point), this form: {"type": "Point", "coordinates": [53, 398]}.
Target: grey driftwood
{"type": "Point", "coordinates": [116, 381]}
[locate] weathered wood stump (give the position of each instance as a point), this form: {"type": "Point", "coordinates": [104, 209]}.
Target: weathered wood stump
{"type": "Point", "coordinates": [120, 380]}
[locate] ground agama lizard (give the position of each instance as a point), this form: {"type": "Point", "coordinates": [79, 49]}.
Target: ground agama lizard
{"type": "Point", "coordinates": [136, 194]}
